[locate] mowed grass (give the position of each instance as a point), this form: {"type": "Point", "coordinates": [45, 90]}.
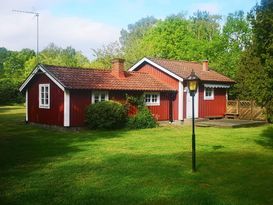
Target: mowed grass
{"type": "Point", "coordinates": [153, 166]}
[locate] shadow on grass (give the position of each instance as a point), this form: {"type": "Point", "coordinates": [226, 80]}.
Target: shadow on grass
{"type": "Point", "coordinates": [266, 138]}
{"type": "Point", "coordinates": [222, 179]}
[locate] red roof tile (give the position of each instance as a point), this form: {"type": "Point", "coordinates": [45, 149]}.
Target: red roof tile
{"type": "Point", "coordinates": [82, 78]}
{"type": "Point", "coordinates": [184, 68]}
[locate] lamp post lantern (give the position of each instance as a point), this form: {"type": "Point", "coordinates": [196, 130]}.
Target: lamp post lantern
{"type": "Point", "coordinates": [192, 86]}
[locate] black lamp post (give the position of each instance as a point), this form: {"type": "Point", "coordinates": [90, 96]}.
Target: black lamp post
{"type": "Point", "coordinates": [192, 86]}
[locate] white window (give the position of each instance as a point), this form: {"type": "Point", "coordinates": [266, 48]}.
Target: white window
{"type": "Point", "coordinates": [44, 96]}
{"type": "Point", "coordinates": [99, 96]}
{"type": "Point", "coordinates": [152, 99]}
{"type": "Point", "coordinates": [209, 94]}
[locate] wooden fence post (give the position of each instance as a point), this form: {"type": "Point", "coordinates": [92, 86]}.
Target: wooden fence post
{"type": "Point", "coordinates": [238, 107]}
{"type": "Point", "coordinates": [251, 109]}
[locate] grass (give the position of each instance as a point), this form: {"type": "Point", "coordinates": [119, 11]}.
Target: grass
{"type": "Point", "coordinates": [48, 166]}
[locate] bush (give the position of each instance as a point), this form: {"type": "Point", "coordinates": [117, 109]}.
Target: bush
{"type": "Point", "coordinates": [106, 115]}
{"type": "Point", "coordinates": [143, 119]}
{"type": "Point", "coordinates": [9, 92]}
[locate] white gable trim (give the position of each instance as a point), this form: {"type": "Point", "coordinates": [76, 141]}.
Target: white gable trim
{"type": "Point", "coordinates": [157, 66]}
{"type": "Point", "coordinates": [39, 67]}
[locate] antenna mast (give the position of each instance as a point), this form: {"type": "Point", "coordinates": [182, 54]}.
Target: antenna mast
{"type": "Point", "coordinates": [37, 16]}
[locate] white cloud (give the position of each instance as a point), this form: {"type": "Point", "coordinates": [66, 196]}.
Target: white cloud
{"type": "Point", "coordinates": [213, 8]}
{"type": "Point", "coordinates": [18, 31]}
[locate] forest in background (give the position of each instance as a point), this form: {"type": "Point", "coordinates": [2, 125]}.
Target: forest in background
{"type": "Point", "coordinates": [240, 47]}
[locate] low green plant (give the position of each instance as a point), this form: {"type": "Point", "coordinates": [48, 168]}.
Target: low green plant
{"type": "Point", "coordinates": [106, 115]}
{"type": "Point", "coordinates": [9, 92]}
{"type": "Point", "coordinates": [137, 101]}
{"type": "Point", "coordinates": [143, 119]}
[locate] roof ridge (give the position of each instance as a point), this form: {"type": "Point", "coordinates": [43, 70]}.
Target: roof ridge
{"type": "Point", "coordinates": [175, 60]}
{"type": "Point", "coordinates": [79, 68]}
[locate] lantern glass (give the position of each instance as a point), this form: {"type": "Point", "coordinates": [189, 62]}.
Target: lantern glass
{"type": "Point", "coordinates": [192, 85]}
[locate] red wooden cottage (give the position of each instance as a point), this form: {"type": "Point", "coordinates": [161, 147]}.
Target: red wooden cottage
{"type": "Point", "coordinates": [57, 95]}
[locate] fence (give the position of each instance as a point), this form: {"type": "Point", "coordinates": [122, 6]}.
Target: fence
{"type": "Point", "coordinates": [246, 110]}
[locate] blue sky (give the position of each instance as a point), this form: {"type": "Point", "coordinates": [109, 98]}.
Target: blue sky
{"type": "Point", "coordinates": [89, 24]}
{"type": "Point", "coordinates": [124, 12]}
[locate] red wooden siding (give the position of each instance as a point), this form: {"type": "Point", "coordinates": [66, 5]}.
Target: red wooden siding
{"type": "Point", "coordinates": [79, 100]}
{"type": "Point", "coordinates": [216, 107]}
{"type": "Point", "coordinates": [52, 116]}
{"type": "Point", "coordinates": [160, 112]}
{"type": "Point", "coordinates": [163, 77]}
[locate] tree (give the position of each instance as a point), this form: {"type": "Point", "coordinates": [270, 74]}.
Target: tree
{"type": "Point", "coordinates": [233, 41]}
{"type": "Point", "coordinates": [131, 40]}
{"type": "Point", "coordinates": [13, 66]}
{"type": "Point", "coordinates": [104, 56]}
{"type": "Point", "coordinates": [4, 54]}
{"type": "Point", "coordinates": [256, 70]}
{"type": "Point", "coordinates": [68, 56]}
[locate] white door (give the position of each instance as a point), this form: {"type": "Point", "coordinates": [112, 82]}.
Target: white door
{"type": "Point", "coordinates": [189, 104]}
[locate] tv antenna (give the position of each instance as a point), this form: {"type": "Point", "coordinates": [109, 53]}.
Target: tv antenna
{"type": "Point", "coordinates": [37, 16]}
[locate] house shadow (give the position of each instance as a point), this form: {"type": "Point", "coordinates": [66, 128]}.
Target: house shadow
{"type": "Point", "coordinates": [266, 138]}
{"type": "Point", "coordinates": [156, 179]}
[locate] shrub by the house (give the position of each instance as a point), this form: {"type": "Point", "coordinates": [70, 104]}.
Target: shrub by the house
{"type": "Point", "coordinates": [106, 115]}
{"type": "Point", "coordinates": [143, 119]}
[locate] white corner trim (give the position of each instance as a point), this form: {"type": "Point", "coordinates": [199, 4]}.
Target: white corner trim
{"type": "Point", "coordinates": [26, 105]}
{"type": "Point", "coordinates": [39, 67]}
{"type": "Point", "coordinates": [157, 66]}
{"type": "Point", "coordinates": [66, 108]}
{"type": "Point", "coordinates": [180, 101]}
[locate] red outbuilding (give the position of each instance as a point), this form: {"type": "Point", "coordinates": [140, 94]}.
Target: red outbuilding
{"type": "Point", "coordinates": [57, 95]}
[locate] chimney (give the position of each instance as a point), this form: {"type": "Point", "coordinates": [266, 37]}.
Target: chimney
{"type": "Point", "coordinates": [118, 67]}
{"type": "Point", "coordinates": [205, 65]}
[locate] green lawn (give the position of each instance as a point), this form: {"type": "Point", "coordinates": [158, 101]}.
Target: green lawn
{"type": "Point", "coordinates": [48, 166]}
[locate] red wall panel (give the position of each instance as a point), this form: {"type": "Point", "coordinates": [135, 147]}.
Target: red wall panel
{"type": "Point", "coordinates": [216, 107]}
{"type": "Point", "coordinates": [163, 77]}
{"type": "Point", "coordinates": [52, 116]}
{"type": "Point", "coordinates": [161, 112]}
{"type": "Point", "coordinates": [79, 100]}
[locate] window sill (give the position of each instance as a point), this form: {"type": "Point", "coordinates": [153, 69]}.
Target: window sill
{"type": "Point", "coordinates": [208, 98]}
{"type": "Point", "coordinates": [152, 104]}
{"type": "Point", "coordinates": [44, 107]}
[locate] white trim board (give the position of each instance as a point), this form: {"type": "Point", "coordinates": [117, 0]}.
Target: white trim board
{"type": "Point", "coordinates": [189, 105]}
{"type": "Point", "coordinates": [33, 73]}
{"type": "Point", "coordinates": [66, 108]}
{"type": "Point", "coordinates": [157, 66]}
{"type": "Point", "coordinates": [210, 85]}
{"type": "Point", "coordinates": [26, 105]}
{"type": "Point", "coordinates": [180, 101]}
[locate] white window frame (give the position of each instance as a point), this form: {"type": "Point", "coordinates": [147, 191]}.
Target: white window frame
{"type": "Point", "coordinates": [209, 97]}
{"type": "Point", "coordinates": [43, 105]}
{"type": "Point", "coordinates": [106, 93]}
{"type": "Point", "coordinates": [152, 103]}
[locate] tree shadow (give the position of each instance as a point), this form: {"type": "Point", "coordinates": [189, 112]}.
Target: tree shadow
{"type": "Point", "coordinates": [266, 138]}
{"type": "Point", "coordinates": [222, 178]}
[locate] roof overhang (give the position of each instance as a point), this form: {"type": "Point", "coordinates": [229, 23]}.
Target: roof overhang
{"type": "Point", "coordinates": [48, 74]}
{"type": "Point", "coordinates": [212, 85]}
{"type": "Point", "coordinates": [143, 60]}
